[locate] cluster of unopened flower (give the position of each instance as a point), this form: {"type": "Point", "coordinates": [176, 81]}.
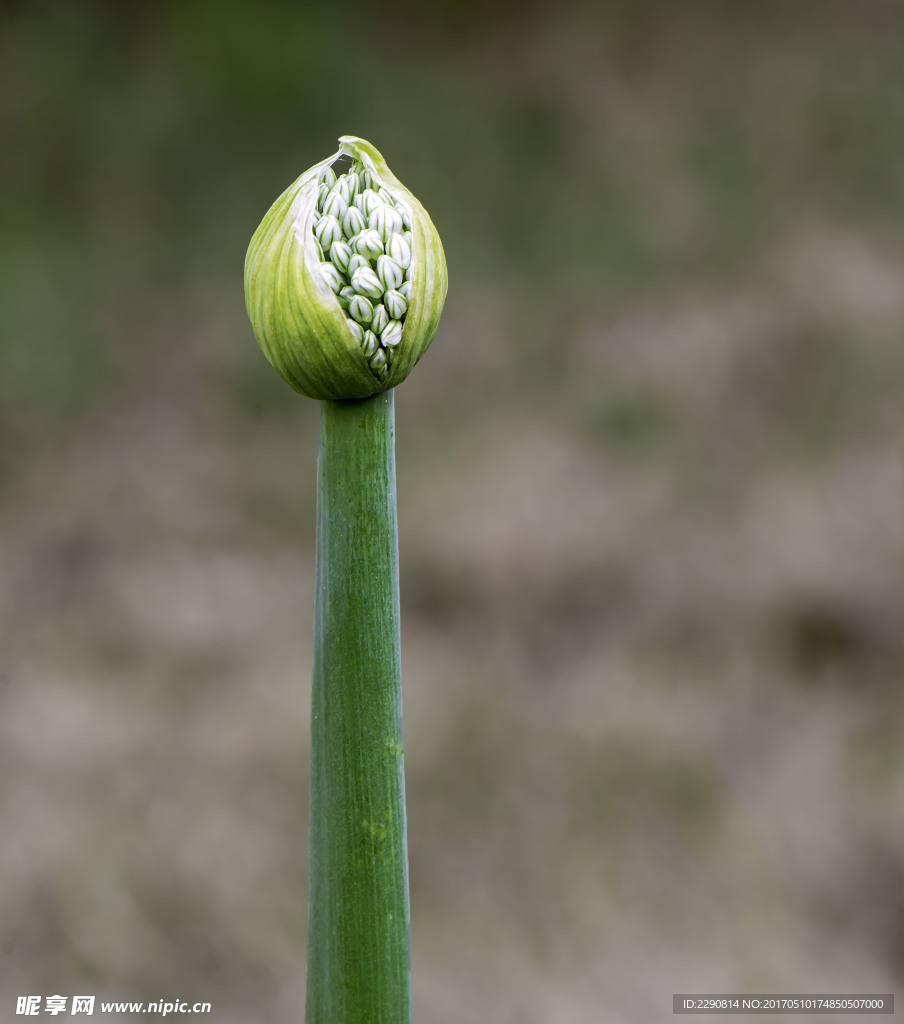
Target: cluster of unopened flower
{"type": "Point", "coordinates": [364, 240]}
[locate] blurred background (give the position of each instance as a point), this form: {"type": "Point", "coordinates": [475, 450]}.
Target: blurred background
{"type": "Point", "coordinates": [650, 486]}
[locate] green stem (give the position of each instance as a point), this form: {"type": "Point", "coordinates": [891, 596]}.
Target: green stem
{"type": "Point", "coordinates": [358, 945]}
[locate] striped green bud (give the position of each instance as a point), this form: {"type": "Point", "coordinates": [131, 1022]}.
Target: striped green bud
{"type": "Point", "coordinates": [378, 360]}
{"type": "Point", "coordinates": [398, 248]}
{"type": "Point", "coordinates": [327, 231]}
{"type": "Point", "coordinates": [380, 318]}
{"type": "Point", "coordinates": [386, 221]}
{"type": "Point", "coordinates": [369, 344]}
{"type": "Point", "coordinates": [367, 201]}
{"type": "Point", "coordinates": [329, 338]}
{"type": "Point", "coordinates": [368, 244]}
{"type": "Point", "coordinates": [389, 272]}
{"type": "Point", "coordinates": [332, 277]}
{"type": "Point", "coordinates": [340, 254]}
{"type": "Point", "coordinates": [347, 186]}
{"type": "Point", "coordinates": [396, 304]}
{"type": "Point", "coordinates": [335, 205]}
{"type": "Point", "coordinates": [366, 282]}
{"type": "Point", "coordinates": [360, 309]}
{"type": "Point", "coordinates": [353, 223]}
{"type": "Point", "coordinates": [356, 262]}
{"type": "Point", "coordinates": [391, 335]}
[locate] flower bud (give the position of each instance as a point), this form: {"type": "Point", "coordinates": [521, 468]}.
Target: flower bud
{"type": "Point", "coordinates": [380, 318]}
{"type": "Point", "coordinates": [398, 248]}
{"type": "Point", "coordinates": [332, 277]}
{"type": "Point", "coordinates": [389, 272]}
{"type": "Point", "coordinates": [368, 244]}
{"type": "Point", "coordinates": [340, 254]}
{"type": "Point", "coordinates": [360, 309]}
{"type": "Point", "coordinates": [385, 220]}
{"type": "Point", "coordinates": [327, 338]}
{"type": "Point", "coordinates": [378, 361]}
{"type": "Point", "coordinates": [355, 263]}
{"type": "Point", "coordinates": [335, 204]}
{"type": "Point", "coordinates": [395, 303]}
{"type": "Point", "coordinates": [391, 335]}
{"type": "Point", "coordinates": [353, 223]}
{"type": "Point", "coordinates": [327, 231]}
{"type": "Point", "coordinates": [367, 201]}
{"type": "Point", "coordinates": [366, 282]}
{"type": "Point", "coordinates": [347, 186]}
{"type": "Point", "coordinates": [369, 343]}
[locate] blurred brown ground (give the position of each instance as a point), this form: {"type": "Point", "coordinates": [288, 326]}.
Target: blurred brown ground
{"type": "Point", "coordinates": [650, 494]}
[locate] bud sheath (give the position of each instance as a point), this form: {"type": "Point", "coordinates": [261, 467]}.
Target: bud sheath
{"type": "Point", "coordinates": [326, 238]}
